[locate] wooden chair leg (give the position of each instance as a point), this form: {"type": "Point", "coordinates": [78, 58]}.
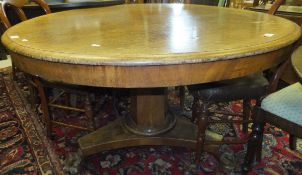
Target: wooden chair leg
{"type": "Point", "coordinates": [258, 115]}
{"type": "Point", "coordinates": [14, 71]}
{"type": "Point", "coordinates": [44, 106]}
{"type": "Point", "coordinates": [115, 102]}
{"type": "Point", "coordinates": [182, 97]}
{"type": "Point", "coordinates": [246, 114]}
{"type": "Point", "coordinates": [202, 126]}
{"type": "Point", "coordinates": [195, 109]}
{"type": "Point", "coordinates": [292, 142]}
{"type": "Point", "coordinates": [32, 93]}
{"type": "Point", "coordinates": [88, 112]}
{"type": "Point", "coordinates": [254, 145]}
{"type": "Point", "coordinates": [67, 99]}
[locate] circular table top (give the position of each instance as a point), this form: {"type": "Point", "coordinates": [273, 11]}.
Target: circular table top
{"type": "Point", "coordinates": [149, 34]}
{"type": "Point", "coordinates": [297, 61]}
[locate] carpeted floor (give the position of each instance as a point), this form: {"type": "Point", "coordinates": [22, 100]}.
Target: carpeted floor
{"type": "Point", "coordinates": [24, 148]}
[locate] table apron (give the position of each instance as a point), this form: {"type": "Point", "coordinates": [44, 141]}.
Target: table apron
{"type": "Point", "coordinates": [146, 76]}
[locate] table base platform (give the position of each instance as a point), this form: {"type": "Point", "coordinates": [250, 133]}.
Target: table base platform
{"type": "Point", "coordinates": [115, 135]}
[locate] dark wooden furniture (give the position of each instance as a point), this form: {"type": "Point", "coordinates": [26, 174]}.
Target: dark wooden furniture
{"type": "Point", "coordinates": [147, 48]}
{"type": "Point", "coordinates": [244, 88]}
{"type": "Point", "coordinates": [45, 88]}
{"type": "Point", "coordinates": [54, 96]}
{"type": "Point", "coordinates": [282, 109]}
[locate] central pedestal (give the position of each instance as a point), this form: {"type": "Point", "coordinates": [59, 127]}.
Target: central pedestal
{"type": "Point", "coordinates": [148, 123]}
{"type": "Point", "coordinates": [149, 114]}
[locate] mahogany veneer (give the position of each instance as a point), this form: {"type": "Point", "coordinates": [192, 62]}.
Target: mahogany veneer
{"type": "Point", "coordinates": [148, 47]}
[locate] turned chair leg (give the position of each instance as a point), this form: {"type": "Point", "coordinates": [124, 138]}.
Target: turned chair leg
{"type": "Point", "coordinates": [89, 112]}
{"type": "Point", "coordinates": [292, 142]}
{"type": "Point", "coordinates": [67, 100]}
{"type": "Point", "coordinates": [254, 145]}
{"type": "Point", "coordinates": [195, 109]}
{"type": "Point", "coordinates": [259, 117]}
{"type": "Point", "coordinates": [182, 97]}
{"type": "Point", "coordinates": [202, 121]}
{"type": "Point", "coordinates": [33, 93]}
{"type": "Point", "coordinates": [115, 102]}
{"type": "Point", "coordinates": [14, 71]}
{"type": "Point", "coordinates": [44, 106]}
{"type": "Point", "coordinates": [246, 114]}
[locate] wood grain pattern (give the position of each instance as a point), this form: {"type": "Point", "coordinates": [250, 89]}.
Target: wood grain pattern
{"type": "Point", "coordinates": [115, 135]}
{"type": "Point", "coordinates": [147, 76]}
{"type": "Point", "coordinates": [148, 46]}
{"type": "Point", "coordinates": [149, 34]}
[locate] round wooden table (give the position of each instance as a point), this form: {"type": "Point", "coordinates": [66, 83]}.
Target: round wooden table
{"type": "Point", "coordinates": [148, 47]}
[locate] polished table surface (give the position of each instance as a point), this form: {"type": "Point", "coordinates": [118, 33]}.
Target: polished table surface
{"type": "Point", "coordinates": [293, 13]}
{"type": "Point", "coordinates": [297, 62]}
{"type": "Point", "coordinates": [147, 47]}
{"type": "Point", "coordinates": [32, 10]}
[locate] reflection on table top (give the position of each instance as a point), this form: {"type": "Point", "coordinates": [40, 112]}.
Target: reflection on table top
{"type": "Point", "coordinates": [149, 34]}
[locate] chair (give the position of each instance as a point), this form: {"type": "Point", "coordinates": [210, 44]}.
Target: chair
{"type": "Point", "coordinates": [56, 95]}
{"type": "Point", "coordinates": [245, 88]}
{"type": "Point", "coordinates": [16, 6]}
{"type": "Point", "coordinates": [52, 93]}
{"type": "Point", "coordinates": [282, 109]}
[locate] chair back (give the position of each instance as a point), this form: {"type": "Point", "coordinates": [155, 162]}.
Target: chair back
{"type": "Point", "coordinates": [275, 6]}
{"type": "Point", "coordinates": [16, 6]}
{"type": "Point", "coordinates": [283, 65]}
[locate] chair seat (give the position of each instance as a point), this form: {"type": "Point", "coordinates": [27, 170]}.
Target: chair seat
{"type": "Point", "coordinates": [250, 86]}
{"type": "Point", "coordinates": [285, 103]}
